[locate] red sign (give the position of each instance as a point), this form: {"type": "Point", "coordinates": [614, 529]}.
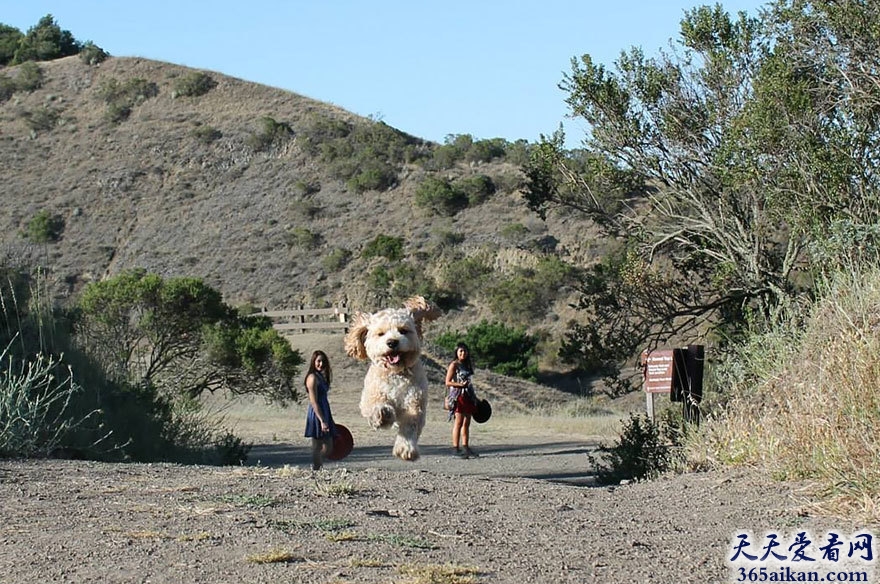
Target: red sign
{"type": "Point", "coordinates": [658, 367]}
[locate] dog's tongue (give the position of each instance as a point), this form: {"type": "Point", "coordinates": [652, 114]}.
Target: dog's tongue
{"type": "Point", "coordinates": [393, 359]}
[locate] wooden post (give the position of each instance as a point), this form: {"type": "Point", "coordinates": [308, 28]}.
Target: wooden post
{"type": "Point", "coordinates": [649, 405]}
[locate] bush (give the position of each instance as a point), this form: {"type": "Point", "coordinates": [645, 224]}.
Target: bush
{"type": "Point", "coordinates": [41, 119]}
{"type": "Point", "coordinates": [92, 54]}
{"type": "Point", "coordinates": [44, 227]}
{"type": "Point", "coordinates": [476, 188]}
{"type": "Point", "coordinates": [486, 150]}
{"type": "Point", "coordinates": [121, 98]}
{"type": "Point", "coordinates": [391, 248]}
{"type": "Point", "coordinates": [7, 87]}
{"type": "Point", "coordinates": [336, 259]}
{"type": "Point", "coordinates": [644, 450]}
{"type": "Point", "coordinates": [440, 196]}
{"type": "Point", "coordinates": [496, 346]}
{"type": "Point", "coordinates": [29, 77]}
{"type": "Point", "coordinates": [207, 134]}
{"type": "Point", "coordinates": [272, 134]}
{"type": "Point", "coordinates": [303, 238]}
{"type": "Point", "coordinates": [34, 406]}
{"type": "Point", "coordinates": [193, 84]}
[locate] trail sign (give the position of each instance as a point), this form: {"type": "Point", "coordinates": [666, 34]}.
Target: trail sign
{"type": "Point", "coordinates": [658, 368]}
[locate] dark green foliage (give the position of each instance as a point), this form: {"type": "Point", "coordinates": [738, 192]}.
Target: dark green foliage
{"type": "Point", "coordinates": [336, 259]}
{"type": "Point", "coordinates": [486, 150]}
{"type": "Point", "coordinates": [527, 293]}
{"type": "Point", "coordinates": [107, 420]}
{"type": "Point", "coordinates": [368, 156]}
{"type": "Point", "coordinates": [193, 85]}
{"type": "Point", "coordinates": [644, 450]}
{"type": "Point", "coordinates": [41, 119]}
{"type": "Point", "coordinates": [92, 54]}
{"type": "Point", "coordinates": [44, 42]}
{"type": "Point", "coordinates": [303, 238]}
{"type": "Point", "coordinates": [10, 37]}
{"type": "Point", "coordinates": [476, 188]}
{"type": "Point", "coordinates": [44, 227]}
{"type": "Point", "coordinates": [178, 336]}
{"type": "Point", "coordinates": [29, 77]}
{"type": "Point", "coordinates": [272, 134]}
{"type": "Point", "coordinates": [373, 175]}
{"type": "Point", "coordinates": [7, 87]}
{"type": "Point", "coordinates": [121, 98]}
{"type": "Point", "coordinates": [440, 196]}
{"type": "Point", "coordinates": [391, 248]}
{"type": "Point", "coordinates": [207, 134]}
{"type": "Point", "coordinates": [496, 346]}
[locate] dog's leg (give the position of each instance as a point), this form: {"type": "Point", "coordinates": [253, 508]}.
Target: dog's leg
{"type": "Point", "coordinates": [409, 428]}
{"type": "Point", "coordinates": [381, 416]}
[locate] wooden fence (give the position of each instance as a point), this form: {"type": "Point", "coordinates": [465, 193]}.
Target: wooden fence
{"type": "Point", "coordinates": [303, 320]}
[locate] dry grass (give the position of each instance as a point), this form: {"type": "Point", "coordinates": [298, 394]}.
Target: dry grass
{"type": "Point", "coordinates": [440, 574]}
{"type": "Point", "coordinates": [274, 557]}
{"type": "Point", "coordinates": [815, 413]}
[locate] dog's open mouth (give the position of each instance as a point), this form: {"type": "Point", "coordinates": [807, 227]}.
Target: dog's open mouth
{"type": "Point", "coordinates": [392, 359]}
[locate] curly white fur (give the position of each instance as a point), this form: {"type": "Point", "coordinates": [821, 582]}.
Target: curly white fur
{"type": "Point", "coordinates": [395, 387]}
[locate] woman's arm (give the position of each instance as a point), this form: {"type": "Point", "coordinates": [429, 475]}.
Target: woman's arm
{"type": "Point", "coordinates": [450, 376]}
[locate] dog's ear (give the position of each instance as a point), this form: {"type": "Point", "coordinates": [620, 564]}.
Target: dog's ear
{"type": "Point", "coordinates": [356, 335]}
{"type": "Point", "coordinates": [421, 310]}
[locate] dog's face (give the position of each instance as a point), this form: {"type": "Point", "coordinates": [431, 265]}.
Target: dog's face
{"type": "Point", "coordinates": [390, 338]}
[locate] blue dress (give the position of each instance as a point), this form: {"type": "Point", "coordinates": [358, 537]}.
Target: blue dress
{"type": "Point", "coordinates": [313, 424]}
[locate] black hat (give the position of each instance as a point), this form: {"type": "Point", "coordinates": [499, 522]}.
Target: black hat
{"type": "Point", "coordinates": [484, 411]}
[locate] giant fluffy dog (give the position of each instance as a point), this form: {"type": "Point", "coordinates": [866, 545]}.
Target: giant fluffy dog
{"type": "Point", "coordinates": [395, 387]}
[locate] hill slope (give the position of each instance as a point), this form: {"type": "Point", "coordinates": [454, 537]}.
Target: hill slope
{"type": "Point", "coordinates": [181, 187]}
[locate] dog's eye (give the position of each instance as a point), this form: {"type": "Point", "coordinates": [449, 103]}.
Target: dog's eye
{"type": "Point", "coordinates": [403, 330]}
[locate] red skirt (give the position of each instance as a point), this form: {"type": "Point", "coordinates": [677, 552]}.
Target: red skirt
{"type": "Point", "coordinates": [465, 406]}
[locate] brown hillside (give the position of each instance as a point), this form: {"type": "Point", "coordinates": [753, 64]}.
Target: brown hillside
{"type": "Point", "coordinates": [148, 192]}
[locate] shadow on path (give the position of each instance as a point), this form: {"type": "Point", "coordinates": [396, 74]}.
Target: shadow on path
{"type": "Point", "coordinates": [563, 462]}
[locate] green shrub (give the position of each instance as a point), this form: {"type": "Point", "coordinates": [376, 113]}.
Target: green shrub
{"type": "Point", "coordinates": [514, 232]}
{"type": "Point", "coordinates": [29, 77]}
{"type": "Point", "coordinates": [121, 98]}
{"type": "Point", "coordinates": [476, 188]}
{"type": "Point", "coordinates": [303, 238]}
{"type": "Point", "coordinates": [391, 248]}
{"type": "Point", "coordinates": [92, 54]}
{"type": "Point", "coordinates": [440, 196]}
{"type": "Point", "coordinates": [486, 150]}
{"type": "Point", "coordinates": [494, 345]}
{"type": "Point", "coordinates": [466, 276]}
{"type": "Point", "coordinates": [193, 84]}
{"type": "Point", "coordinates": [644, 450]}
{"type": "Point", "coordinates": [272, 134]}
{"type": "Point", "coordinates": [206, 134]}
{"type": "Point", "coordinates": [7, 87]}
{"type": "Point", "coordinates": [44, 227]}
{"type": "Point", "coordinates": [336, 259]}
{"type": "Point", "coordinates": [41, 119]}
{"type": "Point", "coordinates": [34, 406]}
{"type": "Point", "coordinates": [373, 175]}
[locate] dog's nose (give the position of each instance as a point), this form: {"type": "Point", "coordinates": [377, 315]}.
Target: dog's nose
{"type": "Point", "coordinates": [392, 343]}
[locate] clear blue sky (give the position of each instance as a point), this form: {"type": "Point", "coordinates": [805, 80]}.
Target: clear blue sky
{"type": "Point", "coordinates": [489, 68]}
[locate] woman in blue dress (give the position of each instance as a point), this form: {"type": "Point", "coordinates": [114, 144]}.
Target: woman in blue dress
{"type": "Point", "coordinates": [319, 420]}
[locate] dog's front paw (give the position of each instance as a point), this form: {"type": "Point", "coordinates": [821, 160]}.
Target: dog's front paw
{"type": "Point", "coordinates": [381, 417]}
{"type": "Point", "coordinates": [405, 450]}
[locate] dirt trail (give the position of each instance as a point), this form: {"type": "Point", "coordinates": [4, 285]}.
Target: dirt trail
{"type": "Point", "coordinates": [519, 513]}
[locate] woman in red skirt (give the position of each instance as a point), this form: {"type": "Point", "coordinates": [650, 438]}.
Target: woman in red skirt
{"type": "Point", "coordinates": [461, 400]}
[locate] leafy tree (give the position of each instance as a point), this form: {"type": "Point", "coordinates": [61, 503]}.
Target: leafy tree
{"type": "Point", "coordinates": [10, 37]}
{"type": "Point", "coordinates": [44, 42]}
{"type": "Point", "coordinates": [717, 166]}
{"type": "Point", "coordinates": [178, 336]}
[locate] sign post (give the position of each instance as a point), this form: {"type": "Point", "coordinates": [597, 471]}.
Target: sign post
{"type": "Point", "coordinates": [658, 369]}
